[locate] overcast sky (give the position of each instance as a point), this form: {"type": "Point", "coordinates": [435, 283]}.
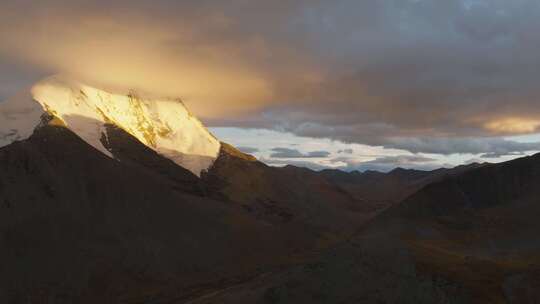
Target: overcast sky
{"type": "Point", "coordinates": [343, 83]}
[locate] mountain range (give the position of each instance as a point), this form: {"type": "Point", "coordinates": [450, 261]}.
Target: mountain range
{"type": "Point", "coordinates": [119, 198]}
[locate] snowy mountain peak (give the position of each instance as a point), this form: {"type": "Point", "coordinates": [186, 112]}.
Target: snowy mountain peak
{"type": "Point", "coordinates": [164, 125]}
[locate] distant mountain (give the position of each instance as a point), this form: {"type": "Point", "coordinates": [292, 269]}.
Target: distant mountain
{"type": "Point", "coordinates": [381, 190]}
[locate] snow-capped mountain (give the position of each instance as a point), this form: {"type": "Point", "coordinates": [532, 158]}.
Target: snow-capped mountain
{"type": "Point", "coordinates": [164, 125]}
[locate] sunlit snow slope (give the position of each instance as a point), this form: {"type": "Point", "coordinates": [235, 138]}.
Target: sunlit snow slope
{"type": "Point", "coordinates": [166, 126]}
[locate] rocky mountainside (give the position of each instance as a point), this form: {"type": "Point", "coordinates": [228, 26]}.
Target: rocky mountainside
{"type": "Point", "coordinates": [78, 225]}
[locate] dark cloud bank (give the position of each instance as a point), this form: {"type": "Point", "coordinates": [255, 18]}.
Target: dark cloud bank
{"type": "Point", "coordinates": [248, 150]}
{"type": "Point", "coordinates": [293, 153]}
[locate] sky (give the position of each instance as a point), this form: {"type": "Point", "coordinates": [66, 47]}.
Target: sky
{"type": "Point", "coordinates": [347, 84]}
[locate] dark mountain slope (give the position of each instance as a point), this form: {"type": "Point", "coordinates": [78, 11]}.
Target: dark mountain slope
{"type": "Point", "coordinates": [129, 151]}
{"type": "Point", "coordinates": [298, 198]}
{"type": "Point", "coordinates": [78, 226]}
{"type": "Point", "coordinates": [479, 228]}
{"type": "Point", "coordinates": [489, 186]}
{"type": "Point", "coordinates": [468, 238]}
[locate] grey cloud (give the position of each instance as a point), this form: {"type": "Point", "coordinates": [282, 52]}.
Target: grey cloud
{"type": "Point", "coordinates": [286, 153]}
{"type": "Point", "coordinates": [418, 73]}
{"type": "Point", "coordinates": [501, 154]}
{"type": "Point", "coordinates": [14, 76]}
{"type": "Point", "coordinates": [315, 154]}
{"type": "Point", "coordinates": [378, 134]}
{"type": "Point", "coordinates": [497, 146]}
{"type": "Point", "coordinates": [346, 151]}
{"type": "Point", "coordinates": [293, 153]}
{"type": "Point", "coordinates": [248, 150]}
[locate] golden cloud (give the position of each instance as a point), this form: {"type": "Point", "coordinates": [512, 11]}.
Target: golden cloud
{"type": "Point", "coordinates": [513, 125]}
{"type": "Point", "coordinates": [132, 53]}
